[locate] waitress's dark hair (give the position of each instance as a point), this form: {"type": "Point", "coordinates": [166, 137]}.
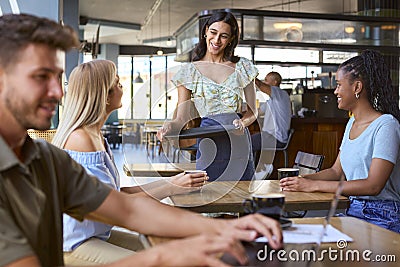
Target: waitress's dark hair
{"type": "Point", "coordinates": [227, 17]}
{"type": "Point", "coordinates": [371, 70]}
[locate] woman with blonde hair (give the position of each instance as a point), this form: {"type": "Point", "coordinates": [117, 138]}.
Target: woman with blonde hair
{"type": "Point", "coordinates": [94, 91]}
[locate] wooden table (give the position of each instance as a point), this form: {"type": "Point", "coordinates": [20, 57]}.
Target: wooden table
{"type": "Point", "coordinates": [228, 197]}
{"type": "Point", "coordinates": [381, 242]}
{"type": "Point", "coordinates": [366, 236]}
{"type": "Point", "coordinates": [157, 169]}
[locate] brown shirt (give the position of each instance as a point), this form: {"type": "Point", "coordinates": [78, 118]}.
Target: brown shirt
{"type": "Point", "coordinates": [33, 196]}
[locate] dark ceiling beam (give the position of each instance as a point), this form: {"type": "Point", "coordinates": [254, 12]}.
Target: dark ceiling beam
{"type": "Point", "coordinates": [110, 23]}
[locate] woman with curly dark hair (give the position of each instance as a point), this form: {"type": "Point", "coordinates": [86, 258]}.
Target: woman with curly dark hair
{"type": "Point", "coordinates": [369, 155]}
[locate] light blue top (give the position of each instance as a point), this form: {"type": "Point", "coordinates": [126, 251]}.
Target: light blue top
{"type": "Point", "coordinates": [211, 98]}
{"type": "Point", "coordinates": [381, 139]}
{"type": "Point", "coordinates": [100, 164]}
{"type": "Point", "coordinates": [277, 114]}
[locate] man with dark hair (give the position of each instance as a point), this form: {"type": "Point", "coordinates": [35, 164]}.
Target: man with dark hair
{"type": "Point", "coordinates": [39, 182]}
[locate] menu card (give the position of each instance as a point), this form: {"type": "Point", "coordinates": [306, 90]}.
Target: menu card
{"type": "Point", "coordinates": [310, 233]}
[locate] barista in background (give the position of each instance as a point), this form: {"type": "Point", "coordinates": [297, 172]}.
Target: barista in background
{"type": "Point", "coordinates": [277, 115]}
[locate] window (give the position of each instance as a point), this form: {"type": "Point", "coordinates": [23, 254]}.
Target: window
{"type": "Point", "coordinates": [144, 79]}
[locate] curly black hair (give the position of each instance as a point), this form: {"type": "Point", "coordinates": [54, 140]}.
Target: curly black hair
{"type": "Point", "coordinates": [370, 68]}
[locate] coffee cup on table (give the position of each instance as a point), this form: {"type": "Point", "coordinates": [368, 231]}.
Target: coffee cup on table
{"type": "Point", "coordinates": [197, 171]}
{"type": "Point", "coordinates": [270, 204]}
{"type": "Point", "coordinates": [287, 172]}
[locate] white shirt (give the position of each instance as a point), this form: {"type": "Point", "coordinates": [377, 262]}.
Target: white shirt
{"type": "Point", "coordinates": [278, 114]}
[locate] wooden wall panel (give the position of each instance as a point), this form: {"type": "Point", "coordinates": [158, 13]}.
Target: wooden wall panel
{"type": "Point", "coordinates": [313, 135]}
{"type": "Point", "coordinates": [326, 143]}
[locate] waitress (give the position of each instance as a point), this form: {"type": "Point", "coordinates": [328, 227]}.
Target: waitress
{"type": "Point", "coordinates": [217, 81]}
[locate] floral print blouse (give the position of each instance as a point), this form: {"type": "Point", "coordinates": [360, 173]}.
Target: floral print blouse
{"type": "Point", "coordinates": [211, 98]}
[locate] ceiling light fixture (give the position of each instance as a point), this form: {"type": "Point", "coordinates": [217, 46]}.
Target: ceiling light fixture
{"type": "Point", "coordinates": [349, 29]}
{"type": "Point", "coordinates": [292, 34]}
{"type": "Point", "coordinates": [286, 25]}
{"type": "Point", "coordinates": [388, 27]}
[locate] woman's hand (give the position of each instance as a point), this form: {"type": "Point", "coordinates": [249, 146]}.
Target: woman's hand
{"type": "Point", "coordinates": [164, 130]}
{"type": "Point", "coordinates": [183, 183]}
{"type": "Point", "coordinates": [239, 125]}
{"type": "Point", "coordinates": [298, 183]}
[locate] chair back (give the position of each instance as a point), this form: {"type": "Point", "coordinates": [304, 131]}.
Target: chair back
{"type": "Point", "coordinates": [46, 134]}
{"type": "Point", "coordinates": [308, 163]}
{"type": "Point", "coordinates": [290, 135]}
{"type": "Point", "coordinates": [194, 122]}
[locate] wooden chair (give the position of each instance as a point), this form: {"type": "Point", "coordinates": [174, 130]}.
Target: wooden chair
{"type": "Point", "coordinates": [189, 145]}
{"type": "Point", "coordinates": [46, 134]}
{"type": "Point", "coordinates": [131, 134]}
{"type": "Point", "coordinates": [306, 163]}
{"type": "Point", "coordinates": [191, 149]}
